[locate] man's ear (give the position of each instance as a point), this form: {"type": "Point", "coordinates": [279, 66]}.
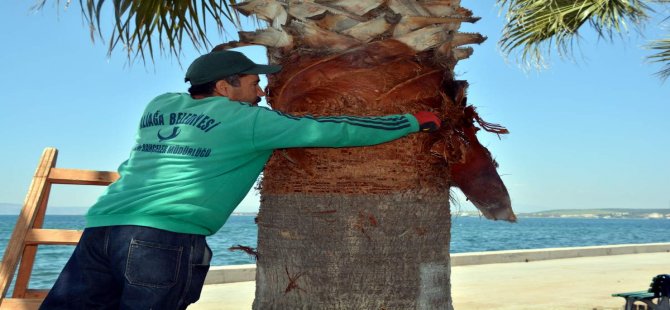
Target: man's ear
{"type": "Point", "coordinates": [222, 88]}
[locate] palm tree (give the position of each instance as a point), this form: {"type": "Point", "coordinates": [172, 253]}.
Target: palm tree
{"type": "Point", "coordinates": [367, 228]}
{"type": "Point", "coordinates": [364, 228]}
{"type": "Point", "coordinates": [537, 26]}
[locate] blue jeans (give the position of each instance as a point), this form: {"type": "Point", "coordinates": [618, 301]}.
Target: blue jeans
{"type": "Point", "coordinates": [132, 267]}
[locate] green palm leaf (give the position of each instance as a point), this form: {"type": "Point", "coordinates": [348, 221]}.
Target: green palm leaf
{"type": "Point", "coordinates": [537, 26]}
{"type": "Point", "coordinates": [142, 27]}
{"type": "Point", "coordinates": [663, 56]}
{"type": "Point", "coordinates": [534, 25]}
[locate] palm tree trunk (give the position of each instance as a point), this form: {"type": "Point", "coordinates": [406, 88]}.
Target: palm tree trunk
{"type": "Point", "coordinates": [366, 228]}
{"type": "Point", "coordinates": [331, 251]}
{"type": "Point", "coordinates": [355, 228]}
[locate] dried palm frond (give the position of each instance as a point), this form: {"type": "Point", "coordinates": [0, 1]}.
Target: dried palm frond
{"type": "Point", "coordinates": [144, 28]}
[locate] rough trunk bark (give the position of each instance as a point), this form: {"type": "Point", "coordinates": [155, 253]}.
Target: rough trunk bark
{"type": "Point", "coordinates": [325, 251]}
{"type": "Point", "coordinates": [354, 228]}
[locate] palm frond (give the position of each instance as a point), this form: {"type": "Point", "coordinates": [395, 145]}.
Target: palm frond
{"type": "Point", "coordinates": [663, 56]}
{"type": "Point", "coordinates": [143, 27]}
{"type": "Point", "coordinates": [534, 25]}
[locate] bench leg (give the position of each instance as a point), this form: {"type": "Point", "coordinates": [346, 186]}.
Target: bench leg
{"type": "Point", "coordinates": [663, 304]}
{"type": "Point", "coordinates": [650, 305]}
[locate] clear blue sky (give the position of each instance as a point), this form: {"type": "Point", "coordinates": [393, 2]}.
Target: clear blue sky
{"type": "Point", "coordinates": [585, 133]}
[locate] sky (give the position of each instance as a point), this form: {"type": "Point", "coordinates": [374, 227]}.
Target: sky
{"type": "Point", "coordinates": [586, 132]}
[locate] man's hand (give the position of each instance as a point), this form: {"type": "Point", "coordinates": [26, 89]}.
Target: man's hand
{"type": "Point", "coordinates": [428, 122]}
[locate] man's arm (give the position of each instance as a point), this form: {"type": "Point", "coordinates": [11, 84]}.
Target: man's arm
{"type": "Point", "coordinates": [273, 130]}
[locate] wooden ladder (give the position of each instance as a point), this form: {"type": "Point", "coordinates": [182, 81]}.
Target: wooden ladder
{"type": "Point", "coordinates": [28, 232]}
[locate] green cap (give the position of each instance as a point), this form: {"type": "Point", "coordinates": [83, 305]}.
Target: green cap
{"type": "Point", "coordinates": [217, 65]}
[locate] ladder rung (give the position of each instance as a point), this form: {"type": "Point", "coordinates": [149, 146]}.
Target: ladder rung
{"type": "Point", "coordinates": [83, 177]}
{"type": "Point", "coordinates": [36, 293]}
{"type": "Point", "coordinates": [19, 303]}
{"type": "Point", "coordinates": [53, 236]}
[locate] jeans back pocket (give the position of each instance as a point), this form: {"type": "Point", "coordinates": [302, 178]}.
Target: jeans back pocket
{"type": "Point", "coordinates": [153, 264]}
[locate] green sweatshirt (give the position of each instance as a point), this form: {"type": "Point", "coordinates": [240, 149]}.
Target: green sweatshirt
{"type": "Point", "coordinates": [195, 160]}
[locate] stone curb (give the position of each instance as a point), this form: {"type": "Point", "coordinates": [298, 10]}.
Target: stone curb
{"type": "Point", "coordinates": [242, 273]}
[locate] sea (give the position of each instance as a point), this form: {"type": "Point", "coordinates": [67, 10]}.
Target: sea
{"type": "Point", "coordinates": [469, 234]}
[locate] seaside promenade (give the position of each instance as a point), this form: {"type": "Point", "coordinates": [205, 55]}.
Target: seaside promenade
{"type": "Point", "coordinates": [564, 278]}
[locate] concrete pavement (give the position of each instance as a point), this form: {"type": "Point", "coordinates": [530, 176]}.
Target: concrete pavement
{"type": "Point", "coordinates": [574, 283]}
{"type": "Point", "coordinates": [569, 283]}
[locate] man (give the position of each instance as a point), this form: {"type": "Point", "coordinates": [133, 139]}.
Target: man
{"type": "Point", "coordinates": [196, 157]}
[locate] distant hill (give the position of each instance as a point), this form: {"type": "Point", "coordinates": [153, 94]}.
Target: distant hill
{"type": "Point", "coordinates": [15, 209]}
{"type": "Point", "coordinates": [244, 213]}
{"type": "Point", "coordinates": [602, 213]}
{"type": "Point", "coordinates": [9, 208]}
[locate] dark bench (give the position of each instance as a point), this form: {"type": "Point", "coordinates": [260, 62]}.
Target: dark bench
{"type": "Point", "coordinates": [659, 290]}
{"type": "Point", "coordinates": [645, 297]}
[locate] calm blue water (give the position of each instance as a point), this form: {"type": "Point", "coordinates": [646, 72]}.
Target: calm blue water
{"type": "Point", "coordinates": [469, 234]}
